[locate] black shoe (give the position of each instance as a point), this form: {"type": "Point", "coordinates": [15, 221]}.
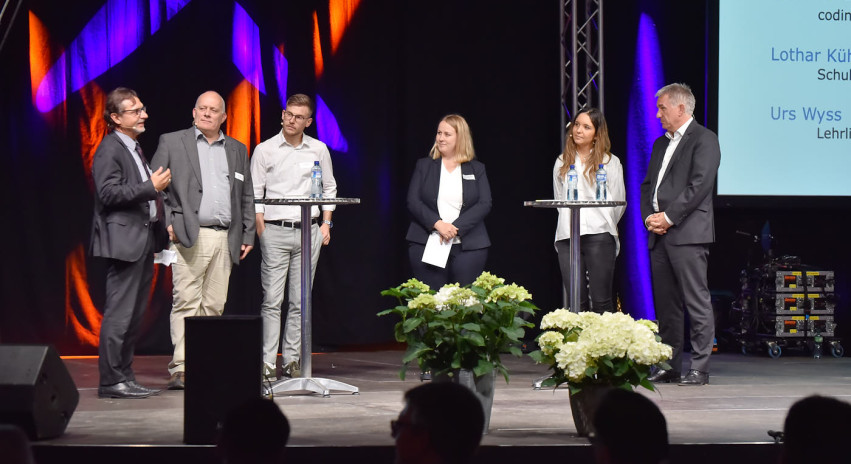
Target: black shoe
{"type": "Point", "coordinates": [122, 390]}
{"type": "Point", "coordinates": [695, 377]}
{"type": "Point", "coordinates": [136, 384]}
{"type": "Point", "coordinates": [665, 376]}
{"type": "Point", "coordinates": [177, 381]}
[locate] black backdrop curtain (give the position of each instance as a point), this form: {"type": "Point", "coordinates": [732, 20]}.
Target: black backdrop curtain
{"type": "Point", "coordinates": [399, 67]}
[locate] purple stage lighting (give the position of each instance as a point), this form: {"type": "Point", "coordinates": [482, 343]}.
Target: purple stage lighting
{"type": "Point", "coordinates": [327, 128]}
{"type": "Point", "coordinates": [246, 48]}
{"type": "Point", "coordinates": [171, 9]}
{"type": "Point", "coordinates": [642, 130]}
{"type": "Point", "coordinates": [281, 74]}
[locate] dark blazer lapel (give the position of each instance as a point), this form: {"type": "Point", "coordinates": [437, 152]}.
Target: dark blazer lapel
{"type": "Point", "coordinates": [231, 153]}
{"type": "Point", "coordinates": [466, 170]}
{"type": "Point", "coordinates": [128, 157]}
{"type": "Point", "coordinates": [675, 157]}
{"type": "Point", "coordinates": [434, 179]}
{"type": "Point", "coordinates": [191, 146]}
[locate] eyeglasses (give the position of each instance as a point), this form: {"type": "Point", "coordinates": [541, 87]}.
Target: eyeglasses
{"type": "Point", "coordinates": [136, 111]}
{"type": "Point", "coordinates": [298, 118]}
{"type": "Point", "coordinates": [397, 425]}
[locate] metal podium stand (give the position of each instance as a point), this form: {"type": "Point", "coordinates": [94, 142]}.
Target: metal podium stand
{"type": "Point", "coordinates": [575, 279]}
{"type": "Point", "coordinates": [307, 382]}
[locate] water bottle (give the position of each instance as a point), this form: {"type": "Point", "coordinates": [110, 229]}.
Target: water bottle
{"type": "Point", "coordinates": [572, 193]}
{"type": "Point", "coordinates": [316, 181]}
{"type": "Point", "coordinates": [601, 183]}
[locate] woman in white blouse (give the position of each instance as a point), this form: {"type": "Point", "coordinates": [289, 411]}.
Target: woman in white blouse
{"type": "Point", "coordinates": [588, 147]}
{"type": "Point", "coordinates": [449, 197]}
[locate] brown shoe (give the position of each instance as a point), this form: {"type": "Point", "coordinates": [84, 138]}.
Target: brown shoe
{"type": "Point", "coordinates": [177, 381]}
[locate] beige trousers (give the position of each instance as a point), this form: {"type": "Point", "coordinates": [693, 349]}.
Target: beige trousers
{"type": "Point", "coordinates": [200, 279]}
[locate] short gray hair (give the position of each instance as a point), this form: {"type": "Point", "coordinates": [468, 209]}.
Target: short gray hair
{"type": "Point", "coordinates": [679, 94]}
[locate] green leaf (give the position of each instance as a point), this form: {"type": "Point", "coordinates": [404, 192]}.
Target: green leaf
{"type": "Point", "coordinates": [538, 356]}
{"type": "Point", "coordinates": [472, 326]}
{"type": "Point", "coordinates": [414, 352]}
{"type": "Point", "coordinates": [393, 292]}
{"type": "Point", "coordinates": [513, 333]}
{"type": "Point", "coordinates": [483, 367]}
{"type": "Point", "coordinates": [403, 371]}
{"type": "Point", "coordinates": [515, 351]}
{"type": "Point", "coordinates": [474, 338]}
{"type": "Point", "coordinates": [411, 324]}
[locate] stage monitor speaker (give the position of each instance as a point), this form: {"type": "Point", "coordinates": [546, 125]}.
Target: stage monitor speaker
{"type": "Point", "coordinates": [36, 391]}
{"type": "Point", "coordinates": [224, 365]}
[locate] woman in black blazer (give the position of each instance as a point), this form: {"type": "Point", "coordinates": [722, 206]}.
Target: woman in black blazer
{"type": "Point", "coordinates": [450, 196]}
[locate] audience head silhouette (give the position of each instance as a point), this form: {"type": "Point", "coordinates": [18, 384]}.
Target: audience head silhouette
{"type": "Point", "coordinates": [629, 429]}
{"type": "Point", "coordinates": [14, 445]}
{"type": "Point", "coordinates": [440, 423]}
{"type": "Point", "coordinates": [815, 430]}
{"type": "Point", "coordinates": [255, 432]}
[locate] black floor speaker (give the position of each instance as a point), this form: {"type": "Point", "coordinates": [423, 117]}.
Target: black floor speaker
{"type": "Point", "coordinates": [224, 365]}
{"type": "Point", "coordinates": [36, 391]}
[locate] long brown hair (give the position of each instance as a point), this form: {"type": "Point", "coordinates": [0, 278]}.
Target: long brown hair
{"type": "Point", "coordinates": [600, 146]}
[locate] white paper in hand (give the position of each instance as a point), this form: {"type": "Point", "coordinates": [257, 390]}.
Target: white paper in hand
{"type": "Point", "coordinates": [436, 253]}
{"type": "Point", "coordinates": [165, 257]}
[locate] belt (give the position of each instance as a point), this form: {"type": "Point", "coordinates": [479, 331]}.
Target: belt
{"type": "Point", "coordinates": [293, 225]}
{"type": "Point", "coordinates": [216, 227]}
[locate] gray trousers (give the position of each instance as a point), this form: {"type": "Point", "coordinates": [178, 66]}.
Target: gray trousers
{"type": "Point", "coordinates": [679, 285]}
{"type": "Point", "coordinates": [281, 250]}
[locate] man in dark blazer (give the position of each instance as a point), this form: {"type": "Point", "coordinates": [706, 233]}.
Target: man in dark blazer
{"type": "Point", "coordinates": [126, 230]}
{"type": "Point", "coordinates": [210, 217]}
{"type": "Point", "coordinates": [676, 202]}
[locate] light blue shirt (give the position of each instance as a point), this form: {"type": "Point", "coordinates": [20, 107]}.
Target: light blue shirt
{"type": "Point", "coordinates": [215, 180]}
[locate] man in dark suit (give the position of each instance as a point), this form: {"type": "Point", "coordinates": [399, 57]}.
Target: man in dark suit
{"type": "Point", "coordinates": [126, 230]}
{"type": "Point", "coordinates": [210, 217]}
{"type": "Point", "coordinates": [676, 202]}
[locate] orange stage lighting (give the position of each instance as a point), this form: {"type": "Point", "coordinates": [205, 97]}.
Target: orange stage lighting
{"type": "Point", "coordinates": [244, 114]}
{"type": "Point", "coordinates": [85, 327]}
{"type": "Point", "coordinates": [319, 64]}
{"type": "Point", "coordinates": [92, 125]}
{"type": "Point", "coordinates": [39, 52]}
{"type": "Point", "coordinates": [341, 12]}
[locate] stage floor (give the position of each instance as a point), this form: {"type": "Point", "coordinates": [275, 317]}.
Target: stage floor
{"type": "Point", "coordinates": [748, 395]}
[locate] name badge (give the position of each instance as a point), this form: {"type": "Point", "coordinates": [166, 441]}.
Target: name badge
{"type": "Point", "coordinates": [468, 176]}
{"type": "Point", "coordinates": [239, 176]}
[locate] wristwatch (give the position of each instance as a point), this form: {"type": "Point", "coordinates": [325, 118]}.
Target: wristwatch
{"type": "Point", "coordinates": [330, 223]}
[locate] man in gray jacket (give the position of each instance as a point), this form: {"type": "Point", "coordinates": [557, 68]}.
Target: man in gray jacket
{"type": "Point", "coordinates": [209, 214]}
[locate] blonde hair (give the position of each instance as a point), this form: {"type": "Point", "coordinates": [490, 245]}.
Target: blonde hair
{"type": "Point", "coordinates": [464, 139]}
{"type": "Point", "coordinates": [600, 146]}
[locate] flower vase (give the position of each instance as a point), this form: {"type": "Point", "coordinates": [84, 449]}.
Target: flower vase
{"type": "Point", "coordinates": [583, 405]}
{"type": "Point", "coordinates": [482, 386]}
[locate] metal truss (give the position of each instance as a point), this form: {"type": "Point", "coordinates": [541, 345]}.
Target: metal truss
{"type": "Point", "coordinates": [581, 56]}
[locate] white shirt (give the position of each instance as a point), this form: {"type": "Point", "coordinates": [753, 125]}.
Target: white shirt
{"type": "Point", "coordinates": [591, 220]}
{"type": "Point", "coordinates": [280, 170]}
{"type": "Point", "coordinates": [450, 195]}
{"type": "Point", "coordinates": [669, 152]}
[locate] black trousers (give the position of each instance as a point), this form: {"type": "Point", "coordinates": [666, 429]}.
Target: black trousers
{"type": "Point", "coordinates": [597, 268]}
{"type": "Point", "coordinates": [462, 267]}
{"type": "Point", "coordinates": [128, 287]}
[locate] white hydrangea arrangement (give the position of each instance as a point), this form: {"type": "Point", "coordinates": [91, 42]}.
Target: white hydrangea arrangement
{"type": "Point", "coordinates": [460, 327]}
{"type": "Point", "coordinates": [607, 349]}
